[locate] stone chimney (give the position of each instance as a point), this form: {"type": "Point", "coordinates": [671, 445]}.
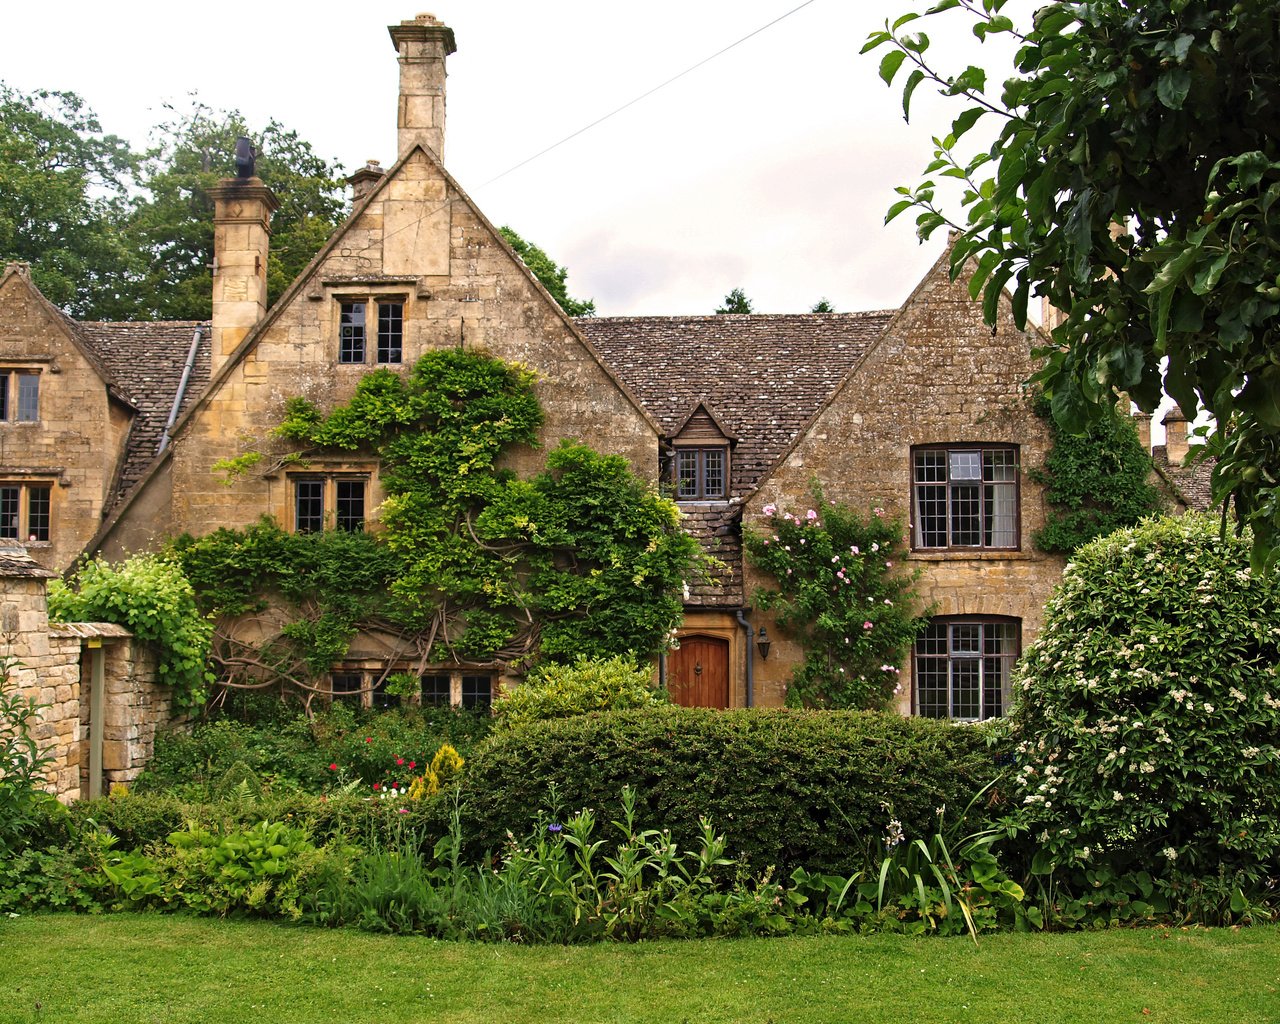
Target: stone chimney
{"type": "Point", "coordinates": [242, 209]}
{"type": "Point", "coordinates": [1142, 422]}
{"type": "Point", "coordinates": [423, 45]}
{"type": "Point", "coordinates": [1175, 436]}
{"type": "Point", "coordinates": [365, 180]}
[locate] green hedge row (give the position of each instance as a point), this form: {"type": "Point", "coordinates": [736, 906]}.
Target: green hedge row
{"type": "Point", "coordinates": [787, 788]}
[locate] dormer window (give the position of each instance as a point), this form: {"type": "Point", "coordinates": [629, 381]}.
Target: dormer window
{"type": "Point", "coordinates": [700, 461]}
{"type": "Point", "coordinates": [700, 473]}
{"type": "Point", "coordinates": [353, 331]}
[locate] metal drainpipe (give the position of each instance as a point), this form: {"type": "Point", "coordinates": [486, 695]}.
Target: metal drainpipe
{"type": "Point", "coordinates": [182, 388]}
{"type": "Point", "coordinates": [751, 679]}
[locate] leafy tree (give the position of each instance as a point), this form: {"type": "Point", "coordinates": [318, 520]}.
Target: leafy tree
{"type": "Point", "coordinates": [172, 228]}
{"type": "Point", "coordinates": [1132, 183]}
{"type": "Point", "coordinates": [735, 302]}
{"type": "Point", "coordinates": [63, 189]}
{"type": "Point", "coordinates": [822, 306]}
{"type": "Point", "coordinates": [1096, 482]}
{"type": "Point", "coordinates": [551, 275]}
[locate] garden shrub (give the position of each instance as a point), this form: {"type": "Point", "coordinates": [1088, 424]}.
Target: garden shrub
{"type": "Point", "coordinates": [1148, 723]}
{"type": "Point", "coordinates": [21, 765]}
{"type": "Point", "coordinates": [150, 597]}
{"type": "Point", "coordinates": [560, 691]}
{"type": "Point", "coordinates": [788, 788]}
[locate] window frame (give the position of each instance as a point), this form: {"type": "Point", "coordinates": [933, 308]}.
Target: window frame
{"type": "Point", "coordinates": [700, 453]}
{"type": "Point", "coordinates": [12, 394]}
{"type": "Point", "coordinates": [484, 686]}
{"type": "Point", "coordinates": [984, 517]}
{"type": "Point", "coordinates": [26, 492]}
{"type": "Point", "coordinates": [330, 498]}
{"type": "Point", "coordinates": [378, 338]}
{"type": "Point", "coordinates": [978, 659]}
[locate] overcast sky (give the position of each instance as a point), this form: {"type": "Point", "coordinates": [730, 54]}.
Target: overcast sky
{"type": "Point", "coordinates": [769, 168]}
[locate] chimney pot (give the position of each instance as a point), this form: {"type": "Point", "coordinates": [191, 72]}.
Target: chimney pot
{"type": "Point", "coordinates": [1175, 436]}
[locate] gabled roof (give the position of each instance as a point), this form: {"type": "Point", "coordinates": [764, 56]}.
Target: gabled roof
{"type": "Point", "coordinates": [764, 374]}
{"type": "Point", "coordinates": [147, 360]}
{"type": "Point", "coordinates": [1190, 483]}
{"type": "Point", "coordinates": [761, 376]}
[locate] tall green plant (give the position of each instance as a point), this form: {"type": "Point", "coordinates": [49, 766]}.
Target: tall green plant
{"type": "Point", "coordinates": [840, 597]}
{"type": "Point", "coordinates": [21, 763]}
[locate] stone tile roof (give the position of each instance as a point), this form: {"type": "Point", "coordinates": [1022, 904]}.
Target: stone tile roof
{"type": "Point", "coordinates": [1190, 483]}
{"type": "Point", "coordinates": [145, 361]}
{"type": "Point", "coordinates": [15, 563]}
{"type": "Point", "coordinates": [762, 377]}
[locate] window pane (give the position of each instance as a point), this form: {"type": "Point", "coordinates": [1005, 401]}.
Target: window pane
{"type": "Point", "coordinates": [38, 513]}
{"type": "Point", "coordinates": [350, 507]}
{"type": "Point", "coordinates": [1000, 508]}
{"type": "Point", "coordinates": [351, 333]}
{"type": "Point", "coordinates": [965, 515]}
{"type": "Point", "coordinates": [995, 674]}
{"type": "Point", "coordinates": [382, 699]}
{"type": "Point", "coordinates": [28, 397]}
{"type": "Point", "coordinates": [309, 513]}
{"type": "Point", "coordinates": [346, 686]}
{"type": "Point", "coordinates": [931, 686]}
{"type": "Point", "coordinates": [4, 396]}
{"type": "Point", "coordinates": [931, 467]}
{"type": "Point", "coordinates": [965, 465]}
{"type": "Point", "coordinates": [713, 473]}
{"type": "Point", "coordinates": [390, 331]}
{"type": "Point", "coordinates": [686, 474]}
{"type": "Point", "coordinates": [477, 691]}
{"type": "Point", "coordinates": [965, 690]}
{"type": "Point", "coordinates": [931, 515]}
{"type": "Point", "coordinates": [962, 669]}
{"type": "Point", "coordinates": [9, 508]}
{"type": "Point", "coordinates": [966, 638]}
{"type": "Point", "coordinates": [435, 691]}
{"type": "Point", "coordinates": [1000, 465]}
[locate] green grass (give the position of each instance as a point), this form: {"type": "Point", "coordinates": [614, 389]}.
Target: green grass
{"type": "Point", "coordinates": [136, 969]}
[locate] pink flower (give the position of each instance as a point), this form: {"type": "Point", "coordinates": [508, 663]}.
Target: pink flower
{"type": "Point", "coordinates": [866, 625]}
{"type": "Point", "coordinates": [879, 513]}
{"type": "Point", "coordinates": [854, 549]}
{"type": "Point", "coordinates": [811, 515]}
{"type": "Point", "coordinates": [333, 767]}
{"type": "Point", "coordinates": [888, 565]}
{"type": "Point", "coordinates": [769, 509]}
{"type": "Point", "coordinates": [403, 810]}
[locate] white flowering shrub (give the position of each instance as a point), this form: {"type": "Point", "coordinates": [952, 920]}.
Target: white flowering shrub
{"type": "Point", "coordinates": [1148, 714]}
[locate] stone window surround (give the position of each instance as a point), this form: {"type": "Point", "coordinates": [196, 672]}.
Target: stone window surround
{"type": "Point", "coordinates": [1010, 626]}
{"type": "Point", "coordinates": [22, 530]}
{"type": "Point", "coordinates": [373, 341]}
{"type": "Point", "coordinates": [329, 498]}
{"type": "Point", "coordinates": [11, 402]}
{"type": "Point", "coordinates": [918, 550]}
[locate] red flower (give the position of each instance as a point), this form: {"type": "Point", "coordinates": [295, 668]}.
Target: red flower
{"type": "Point", "coordinates": [368, 739]}
{"type": "Point", "coordinates": [399, 760]}
{"type": "Point", "coordinates": [333, 767]}
{"type": "Point", "coordinates": [377, 785]}
{"type": "Point", "coordinates": [413, 764]}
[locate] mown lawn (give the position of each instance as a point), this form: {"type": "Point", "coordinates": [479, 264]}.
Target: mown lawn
{"type": "Point", "coordinates": [139, 969]}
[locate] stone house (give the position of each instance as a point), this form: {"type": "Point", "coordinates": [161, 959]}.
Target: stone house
{"type": "Point", "coordinates": [919, 410]}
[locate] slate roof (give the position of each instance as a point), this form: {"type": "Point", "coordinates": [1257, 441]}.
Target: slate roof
{"type": "Point", "coordinates": [1190, 483]}
{"type": "Point", "coordinates": [15, 563]}
{"type": "Point", "coordinates": [762, 376]}
{"type": "Point", "coordinates": [145, 361]}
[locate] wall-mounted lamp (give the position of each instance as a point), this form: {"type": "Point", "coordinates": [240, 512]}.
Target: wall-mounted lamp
{"type": "Point", "coordinates": [763, 644]}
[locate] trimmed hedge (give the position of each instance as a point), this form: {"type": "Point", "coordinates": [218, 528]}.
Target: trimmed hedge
{"type": "Point", "coordinates": [787, 788]}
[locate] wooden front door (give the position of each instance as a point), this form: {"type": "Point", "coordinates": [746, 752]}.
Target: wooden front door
{"type": "Point", "coordinates": [698, 673]}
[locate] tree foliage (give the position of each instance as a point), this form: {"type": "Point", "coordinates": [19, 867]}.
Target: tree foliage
{"type": "Point", "coordinates": [1095, 482]}
{"type": "Point", "coordinates": [550, 274]}
{"type": "Point", "coordinates": [470, 564]}
{"type": "Point", "coordinates": [838, 596]}
{"type": "Point", "coordinates": [171, 227]}
{"type": "Point", "coordinates": [735, 302]}
{"type": "Point", "coordinates": [64, 186]}
{"type": "Point", "coordinates": [1132, 183]}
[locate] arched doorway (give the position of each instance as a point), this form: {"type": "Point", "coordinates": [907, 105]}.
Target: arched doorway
{"type": "Point", "coordinates": [698, 673]}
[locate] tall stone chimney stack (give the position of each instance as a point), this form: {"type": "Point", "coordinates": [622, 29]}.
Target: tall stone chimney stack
{"type": "Point", "coordinates": [242, 209]}
{"type": "Point", "coordinates": [423, 44]}
{"type": "Point", "coordinates": [1175, 436]}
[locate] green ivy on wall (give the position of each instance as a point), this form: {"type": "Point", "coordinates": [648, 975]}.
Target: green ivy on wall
{"type": "Point", "coordinates": [1096, 482]}
{"type": "Point", "coordinates": [839, 595]}
{"type": "Point", "coordinates": [468, 563]}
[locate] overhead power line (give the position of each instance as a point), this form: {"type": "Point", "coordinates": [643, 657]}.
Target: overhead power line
{"type": "Point", "coordinates": [645, 95]}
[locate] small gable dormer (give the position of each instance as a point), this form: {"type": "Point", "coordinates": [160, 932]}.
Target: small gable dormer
{"type": "Point", "coordinates": [700, 457]}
